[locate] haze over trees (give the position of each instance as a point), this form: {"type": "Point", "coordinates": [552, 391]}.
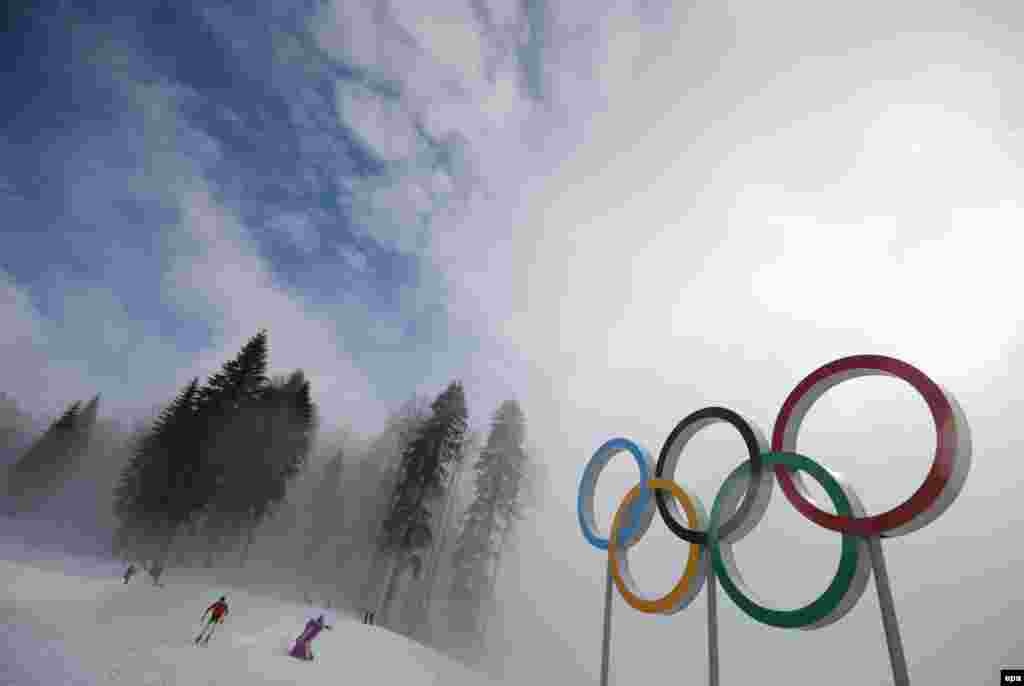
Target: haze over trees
{"type": "Point", "coordinates": [424, 478]}
{"type": "Point", "coordinates": [500, 488]}
{"type": "Point", "coordinates": [45, 467]}
{"type": "Point", "coordinates": [16, 427]}
{"type": "Point", "coordinates": [326, 517]}
{"type": "Point", "coordinates": [233, 478]}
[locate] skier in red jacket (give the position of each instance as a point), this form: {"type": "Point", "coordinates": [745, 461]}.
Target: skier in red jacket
{"type": "Point", "coordinates": [217, 612]}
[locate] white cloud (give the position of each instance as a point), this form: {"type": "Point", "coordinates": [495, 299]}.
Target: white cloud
{"type": "Point", "coordinates": [937, 298]}
{"type": "Point", "coordinates": [446, 32]}
{"type": "Point", "coordinates": [396, 209]}
{"type": "Point", "coordinates": [19, 314]}
{"type": "Point", "coordinates": [40, 380]}
{"type": "Point", "coordinates": [509, 144]}
{"type": "Point", "coordinates": [355, 259]}
{"type": "Point", "coordinates": [299, 229]}
{"type": "Point", "coordinates": [502, 13]}
{"type": "Point", "coordinates": [215, 278]}
{"type": "Point", "coordinates": [217, 274]}
{"type": "Point", "coordinates": [365, 35]}
{"type": "Point", "coordinates": [381, 122]}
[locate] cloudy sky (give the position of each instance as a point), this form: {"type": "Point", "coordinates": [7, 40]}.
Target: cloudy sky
{"type": "Point", "coordinates": [617, 211]}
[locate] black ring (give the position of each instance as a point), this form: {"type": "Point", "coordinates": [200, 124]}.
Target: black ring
{"type": "Point", "coordinates": [684, 431]}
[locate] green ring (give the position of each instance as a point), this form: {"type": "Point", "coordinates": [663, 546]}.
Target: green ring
{"type": "Point", "coordinates": [828, 601]}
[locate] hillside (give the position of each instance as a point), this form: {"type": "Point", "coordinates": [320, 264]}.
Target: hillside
{"type": "Point", "coordinates": [73, 622]}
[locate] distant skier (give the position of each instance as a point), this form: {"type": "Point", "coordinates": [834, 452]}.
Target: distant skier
{"type": "Point", "coordinates": [216, 613]}
{"type": "Point", "coordinates": [156, 570]}
{"type": "Point", "coordinates": [302, 648]}
{"type": "Point", "coordinates": [130, 572]}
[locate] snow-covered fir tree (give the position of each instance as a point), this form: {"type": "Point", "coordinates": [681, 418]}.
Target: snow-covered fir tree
{"type": "Point", "coordinates": [409, 530]}
{"type": "Point", "coordinates": [44, 468]}
{"type": "Point", "coordinates": [489, 520]}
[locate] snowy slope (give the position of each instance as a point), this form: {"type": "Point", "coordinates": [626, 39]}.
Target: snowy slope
{"type": "Point", "coordinates": [88, 628]}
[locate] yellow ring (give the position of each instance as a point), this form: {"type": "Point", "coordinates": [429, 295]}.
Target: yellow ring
{"type": "Point", "coordinates": [696, 564]}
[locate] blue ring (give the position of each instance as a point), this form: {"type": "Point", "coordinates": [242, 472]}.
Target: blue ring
{"type": "Point", "coordinates": [632, 532]}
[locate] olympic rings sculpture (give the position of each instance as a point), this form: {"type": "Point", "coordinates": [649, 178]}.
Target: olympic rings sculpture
{"type": "Point", "coordinates": [744, 496]}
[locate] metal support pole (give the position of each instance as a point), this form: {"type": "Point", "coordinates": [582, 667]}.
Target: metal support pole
{"type": "Point", "coordinates": [897, 659]}
{"type": "Point", "coordinates": [606, 640]}
{"type": "Point", "coordinates": [712, 627]}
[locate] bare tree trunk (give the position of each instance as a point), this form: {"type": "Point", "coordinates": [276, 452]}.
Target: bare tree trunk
{"type": "Point", "coordinates": [169, 539]}
{"type": "Point", "coordinates": [422, 618]}
{"type": "Point", "coordinates": [213, 541]}
{"type": "Point", "coordinates": [249, 534]}
{"type": "Point", "coordinates": [404, 556]}
{"type": "Point", "coordinates": [489, 602]}
{"type": "Point", "coordinates": [156, 569]}
{"type": "Point", "coordinates": [398, 565]}
{"type": "Point", "coordinates": [370, 595]}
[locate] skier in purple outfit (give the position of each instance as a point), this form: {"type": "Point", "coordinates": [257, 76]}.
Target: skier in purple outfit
{"type": "Point", "coordinates": [302, 649]}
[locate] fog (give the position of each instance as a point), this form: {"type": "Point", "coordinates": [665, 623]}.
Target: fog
{"type": "Point", "coordinates": [654, 208]}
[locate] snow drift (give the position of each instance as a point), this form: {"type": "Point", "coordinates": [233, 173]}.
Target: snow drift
{"type": "Point", "coordinates": [83, 626]}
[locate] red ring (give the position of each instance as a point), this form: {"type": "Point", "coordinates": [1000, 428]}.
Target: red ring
{"type": "Point", "coordinates": [787, 424]}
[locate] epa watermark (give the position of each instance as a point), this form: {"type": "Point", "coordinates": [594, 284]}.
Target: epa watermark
{"type": "Point", "coordinates": [1011, 676]}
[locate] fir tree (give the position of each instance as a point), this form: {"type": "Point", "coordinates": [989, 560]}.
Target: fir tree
{"type": "Point", "coordinates": [165, 484]}
{"type": "Point", "coordinates": [85, 426]}
{"type": "Point", "coordinates": [67, 420]}
{"type": "Point", "coordinates": [447, 524]}
{"type": "Point", "coordinates": [501, 477]}
{"type": "Point", "coordinates": [87, 417]}
{"type": "Point", "coordinates": [377, 478]}
{"type": "Point", "coordinates": [240, 379]}
{"type": "Point", "coordinates": [289, 426]}
{"type": "Point", "coordinates": [228, 405]}
{"type": "Point", "coordinates": [426, 463]}
{"type": "Point", "coordinates": [265, 444]}
{"type": "Point", "coordinates": [293, 432]}
{"type": "Point", "coordinates": [44, 467]}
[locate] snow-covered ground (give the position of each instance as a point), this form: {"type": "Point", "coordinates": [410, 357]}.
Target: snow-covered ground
{"type": "Point", "coordinates": [73, 622]}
